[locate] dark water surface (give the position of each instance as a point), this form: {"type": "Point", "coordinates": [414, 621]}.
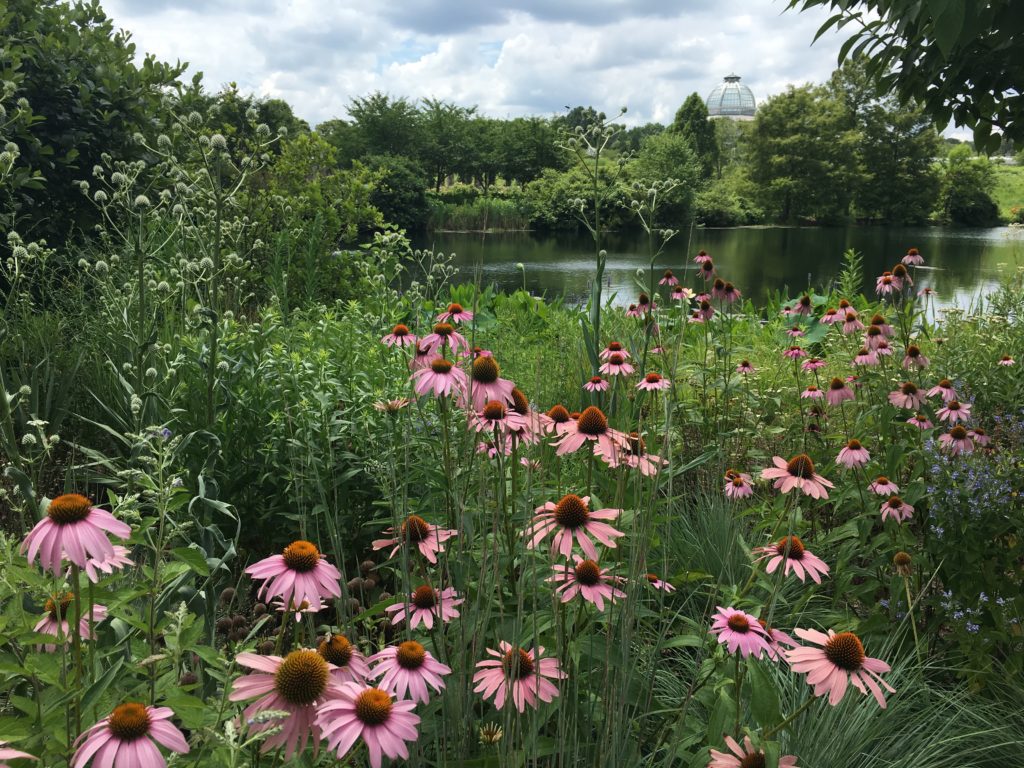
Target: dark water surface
{"type": "Point", "coordinates": [962, 264]}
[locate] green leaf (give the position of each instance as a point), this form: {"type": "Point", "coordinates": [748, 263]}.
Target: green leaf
{"type": "Point", "coordinates": [948, 25]}
{"type": "Point", "coordinates": [97, 689]}
{"type": "Point", "coordinates": [684, 641]}
{"type": "Point", "coordinates": [724, 709]}
{"type": "Point", "coordinates": [193, 558]}
{"type": "Point", "coordinates": [764, 699]}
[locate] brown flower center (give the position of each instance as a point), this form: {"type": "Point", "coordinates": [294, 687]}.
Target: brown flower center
{"type": "Point", "coordinates": [882, 480]}
{"type": "Point", "coordinates": [373, 706]}
{"type": "Point", "coordinates": [455, 309]}
{"type": "Point", "coordinates": [485, 370]}
{"type": "Point", "coordinates": [795, 547]}
{"type": "Point", "coordinates": [651, 577]}
{"type": "Point", "coordinates": [843, 304]}
{"type": "Point", "coordinates": [494, 410]}
{"type": "Point", "coordinates": [877, 319]}
{"type": "Point", "coordinates": [336, 650]}
{"type": "Point", "coordinates": [424, 597]}
{"type": "Point", "coordinates": [953, 405]}
{"type": "Point", "coordinates": [559, 414]}
{"type": "Point", "coordinates": [596, 379]}
{"type": "Point", "coordinates": [753, 760]}
{"type": "Point", "coordinates": [854, 445]}
{"type": "Point", "coordinates": [588, 573]}
{"type": "Point", "coordinates": [519, 402]}
{"type": "Point", "coordinates": [812, 388]}
{"type": "Point", "coordinates": [874, 330]}
{"type": "Point", "coordinates": [719, 284]}
{"type": "Point", "coordinates": [616, 358]}
{"type": "Point", "coordinates": [400, 330]}
{"type": "Point", "coordinates": [845, 651]}
{"type": "Point", "coordinates": [517, 664]}
{"type": "Point", "coordinates": [908, 388]}
{"type": "Point", "coordinates": [805, 300]}
{"type": "Point", "coordinates": [571, 511]}
{"type": "Point", "coordinates": [705, 305]}
{"type": "Point", "coordinates": [410, 655]}
{"type": "Point", "coordinates": [894, 502]}
{"type": "Point", "coordinates": [668, 273]}
{"type": "Point", "coordinates": [301, 556]}
{"type": "Point", "coordinates": [851, 316]}
{"type": "Point", "coordinates": [913, 351]}
{"type": "Point", "coordinates": [652, 378]}
{"type": "Point", "coordinates": [945, 384]}
{"type": "Point", "coordinates": [129, 721]}
{"type": "Point", "coordinates": [837, 384]}
{"type": "Point", "coordinates": [415, 529]}
{"type": "Point", "coordinates": [643, 300]}
{"type": "Point", "coordinates": [444, 330]}
{"type": "Point", "coordinates": [901, 560]}
{"type": "Point", "coordinates": [302, 677]}
{"type": "Point", "coordinates": [60, 602]}
{"type": "Point", "coordinates": [899, 270]}
{"type": "Point", "coordinates": [745, 364]}
{"type": "Point", "coordinates": [801, 466]}
{"type": "Point", "coordinates": [69, 508]}
{"type": "Point", "coordinates": [592, 421]}
{"type": "Point", "coordinates": [958, 433]}
{"type": "Point", "coordinates": [738, 623]}
{"type": "Point", "coordinates": [440, 365]}
{"type": "Point", "coordinates": [707, 266]}
{"type": "Point", "coordinates": [614, 346]}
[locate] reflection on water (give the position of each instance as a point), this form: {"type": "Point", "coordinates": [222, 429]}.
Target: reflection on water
{"type": "Point", "coordinates": [963, 264]}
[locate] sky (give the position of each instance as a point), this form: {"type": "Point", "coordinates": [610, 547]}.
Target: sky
{"type": "Point", "coordinates": [507, 57]}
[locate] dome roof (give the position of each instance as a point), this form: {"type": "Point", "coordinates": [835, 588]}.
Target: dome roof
{"type": "Point", "coordinates": [732, 99]}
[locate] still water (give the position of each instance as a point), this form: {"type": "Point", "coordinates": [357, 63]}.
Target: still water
{"type": "Point", "coordinates": [961, 264]}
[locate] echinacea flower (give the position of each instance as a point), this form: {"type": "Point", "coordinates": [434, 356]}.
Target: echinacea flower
{"type": "Point", "coordinates": [555, 419]}
{"type": "Point", "coordinates": [586, 578]}
{"type": "Point", "coordinates": [913, 258]}
{"type": "Point", "coordinates": [658, 583]}
{"type": "Point", "coordinates": [791, 553]}
{"type": "Point", "coordinates": [95, 569]}
{"type": "Point", "coordinates": [299, 684]}
{"type": "Point", "coordinates": [738, 487]}
{"type": "Point", "coordinates": [902, 277]}
{"type": "Point", "coordinates": [637, 457]}
{"type": "Point", "coordinates": [882, 348]}
{"type": "Point", "coordinates": [422, 357]}
{"type": "Point", "coordinates": [58, 606]}
{"type": "Point", "coordinates": [718, 289]}
{"type": "Point", "coordinates": [730, 293]}
{"type": "Point", "coordinates": [920, 421]}
{"type": "Point", "coordinates": [886, 284]}
{"type": "Point", "coordinates": [874, 337]}
{"type": "Point", "coordinates": [866, 357]}
{"type": "Point", "coordinates": [347, 663]}
{"type": "Point", "coordinates": [75, 530]}
{"type": "Point", "coordinates": [745, 756]}
{"type": "Point", "coordinates": [897, 509]}
{"type": "Point", "coordinates": [902, 562]}
{"type": "Point", "coordinates": [840, 660]}
{"type": "Point", "coordinates": [883, 486]}
{"type": "Point", "coordinates": [979, 436]}
{"type": "Point", "coordinates": [596, 384]}
{"type": "Point", "coordinates": [616, 365]}
{"type": "Point", "coordinates": [632, 311]}
{"type": "Point", "coordinates": [427, 537]}
{"type": "Point", "coordinates": [6, 753]}
{"type": "Point", "coordinates": [441, 378]}
{"type": "Point", "coordinates": [838, 392]}
{"type": "Point", "coordinates": [455, 314]}
{"type": "Point", "coordinates": [299, 573]}
{"type": "Point", "coordinates": [408, 669]}
{"type": "Point", "coordinates": [795, 353]}
{"type": "Point", "coordinates": [830, 317]}
{"type": "Point", "coordinates": [907, 396]}
{"type": "Point", "coordinates": [668, 278]}
{"type": "Point", "coordinates": [522, 673]}
{"type": "Point", "coordinates": [812, 393]}
{"type": "Point", "coordinates": [797, 473]}
{"type": "Point", "coordinates": [1007, 361]}
{"type": "Point", "coordinates": [444, 336]}
{"type": "Point", "coordinates": [745, 367]}
{"type": "Point", "coordinates": [592, 426]}
{"type": "Point", "coordinates": [803, 306]}
{"type": "Point", "coordinates": [739, 631]}
{"type": "Point", "coordinates": [853, 455]}
{"type": "Point", "coordinates": [400, 336]}
{"type": "Point", "coordinates": [573, 519]}
{"type": "Point", "coordinates": [812, 364]}
{"type": "Point", "coordinates": [486, 384]}
{"type": "Point", "coordinates": [701, 257]}
{"type": "Point", "coordinates": [776, 639]}
{"type": "Point", "coordinates": [125, 738]}
{"type": "Point", "coordinates": [426, 603]}
{"type": "Point", "coordinates": [680, 293]}
{"type": "Point", "coordinates": [495, 415]}
{"type": "Point", "coordinates": [913, 358]}
{"type": "Point", "coordinates": [391, 407]}
{"type": "Point", "coordinates": [613, 348]}
{"type": "Point", "coordinates": [707, 269]}
{"type": "Point", "coordinates": [943, 389]}
{"type": "Point", "coordinates": [879, 320]}
{"type": "Point", "coordinates": [956, 441]}
{"type": "Point", "coordinates": [954, 411]}
{"type": "Point", "coordinates": [795, 333]}
{"type": "Point", "coordinates": [652, 382]}
{"type": "Point", "coordinates": [851, 322]}
{"type": "Point", "coordinates": [385, 725]}
{"type": "Point", "coordinates": [704, 310]}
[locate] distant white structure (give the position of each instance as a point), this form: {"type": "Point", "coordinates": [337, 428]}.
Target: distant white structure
{"type": "Point", "coordinates": [731, 99]}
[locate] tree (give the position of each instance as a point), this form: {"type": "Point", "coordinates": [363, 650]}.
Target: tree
{"type": "Point", "coordinates": [967, 185]}
{"type": "Point", "coordinates": [578, 117]}
{"type": "Point", "coordinates": [963, 60]}
{"type": "Point", "coordinates": [528, 148]}
{"type": "Point", "coordinates": [387, 126]}
{"type": "Point", "coordinates": [445, 129]}
{"type": "Point", "coordinates": [692, 122]}
{"type": "Point", "coordinates": [670, 155]}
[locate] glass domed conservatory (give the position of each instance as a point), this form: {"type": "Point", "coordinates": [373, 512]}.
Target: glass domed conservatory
{"type": "Point", "coordinates": [732, 99]}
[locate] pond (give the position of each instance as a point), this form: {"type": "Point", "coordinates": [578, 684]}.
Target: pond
{"type": "Point", "coordinates": [962, 265]}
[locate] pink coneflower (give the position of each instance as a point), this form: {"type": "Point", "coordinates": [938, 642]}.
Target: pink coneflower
{"type": "Point", "coordinates": [444, 336]}
{"type": "Point", "coordinates": [616, 365]}
{"type": "Point", "coordinates": [907, 396]}
{"type": "Point", "coordinates": [58, 605]}
{"type": "Point", "coordinates": [555, 420]}
{"type": "Point", "coordinates": [455, 314]}
{"type": "Point", "coordinates": [592, 426]}
{"type": "Point", "coordinates": [695, 317]}
{"type": "Point", "coordinates": [1007, 361]}
{"type": "Point", "coordinates": [803, 306]}
{"type": "Point", "coordinates": [596, 384]}
{"type": "Point", "coordinates": [739, 631]}
{"type": "Point", "coordinates": [614, 348]}
{"type": "Point", "coordinates": [441, 378]}
{"type": "Point", "coordinates": [795, 353]}
{"type": "Point", "coordinates": [522, 673]}
{"type": "Point", "coordinates": [830, 317]}
{"type": "Point", "coordinates": [897, 509]}
{"type": "Point", "coordinates": [496, 415]}
{"type": "Point", "coordinates": [837, 392]}
{"type": "Point", "coordinates": [954, 411]}
{"type": "Point", "coordinates": [668, 278]}
{"type": "Point", "coordinates": [125, 738]}
{"type": "Point", "coordinates": [632, 311]}
{"type": "Point", "coordinates": [883, 486]}
{"type": "Point", "coordinates": [299, 573]}
{"type": "Point", "coordinates": [956, 441]}
{"type": "Point", "coordinates": [347, 664]}
{"type": "Point", "coordinates": [745, 756]}
{"type": "Point", "coordinates": [299, 684]}
{"type": "Point", "coordinates": [866, 357]}
{"type": "Point", "coordinates": [738, 487]}
{"type": "Point", "coordinates": [886, 284]}
{"type": "Point", "coordinates": [424, 604]}
{"type": "Point", "coordinates": [636, 456]}
{"type": "Point", "coordinates": [776, 639]}
{"type": "Point", "coordinates": [358, 711]}
{"type": "Point", "coordinates": [812, 364]}
{"type": "Point", "coordinates": [573, 519]}
{"type": "Point", "coordinates": [874, 338]}
{"type": "Point", "coordinates": [920, 420]}
{"type": "Point", "coordinates": [701, 257]}
{"type": "Point", "coordinates": [95, 569]}
{"type": "Point", "coordinates": [795, 333]}
{"type": "Point", "coordinates": [853, 455]}
{"type": "Point", "coordinates": [840, 660]}
{"type": "Point", "coordinates": [913, 258]}
{"type": "Point", "coordinates": [422, 357]}
{"type": "Point", "coordinates": [926, 291]}
{"type": "Point", "coordinates": [400, 336]}
{"type": "Point", "coordinates": [427, 537]}
{"type": "Point", "coordinates": [979, 436]}
{"type": "Point", "coordinates": [74, 529]}
{"type": "Point", "coordinates": [652, 382]}
{"type": "Point", "coordinates": [6, 753]}
{"type": "Point", "coordinates": [491, 448]}
{"type": "Point", "coordinates": [882, 348]}
{"type": "Point", "coordinates": [901, 277]}
{"type": "Point", "coordinates": [944, 389]}
{"type": "Point", "coordinates": [407, 669]}
{"type": "Point", "coordinates": [526, 426]}
{"type": "Point", "coordinates": [812, 393]}
{"type": "Point", "coordinates": [851, 322]}
{"type": "Point", "coordinates": [790, 551]}
{"type": "Point", "coordinates": [913, 358]}
{"type": "Point", "coordinates": [718, 288]}
{"type": "Point", "coordinates": [879, 320]}
{"type": "Point", "coordinates": [731, 293]}
{"type": "Point", "coordinates": [655, 581]}
{"type": "Point", "coordinates": [644, 304]}
{"type": "Point", "coordinates": [679, 293]}
{"type": "Point", "coordinates": [588, 579]}
{"type": "Point", "coordinates": [705, 311]}
{"type": "Point", "coordinates": [487, 385]}
{"type": "Point", "coordinates": [797, 473]}
{"type": "Point", "coordinates": [707, 269]}
{"type": "Point", "coordinates": [745, 367]}
{"type": "Point", "coordinates": [391, 407]}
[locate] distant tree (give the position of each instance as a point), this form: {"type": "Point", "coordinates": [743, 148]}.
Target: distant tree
{"type": "Point", "coordinates": [483, 161]}
{"type": "Point", "coordinates": [692, 122]}
{"type": "Point", "coordinates": [445, 128]}
{"type": "Point", "coordinates": [387, 126]}
{"type": "Point", "coordinates": [400, 193]}
{"type": "Point", "coordinates": [528, 146]}
{"type": "Point", "coordinates": [631, 139]}
{"type": "Point", "coordinates": [234, 114]}
{"type": "Point", "coordinates": [346, 139]}
{"type": "Point", "coordinates": [670, 155]}
{"type": "Point", "coordinates": [967, 185]}
{"type": "Point", "coordinates": [578, 117]}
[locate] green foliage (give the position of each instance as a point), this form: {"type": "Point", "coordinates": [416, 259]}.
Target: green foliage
{"type": "Point", "coordinates": [728, 201]}
{"type": "Point", "coordinates": [1008, 191]}
{"type": "Point", "coordinates": [670, 155]}
{"type": "Point", "coordinates": [692, 121]}
{"type": "Point", "coordinates": [967, 185]}
{"type": "Point", "coordinates": [400, 194]}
